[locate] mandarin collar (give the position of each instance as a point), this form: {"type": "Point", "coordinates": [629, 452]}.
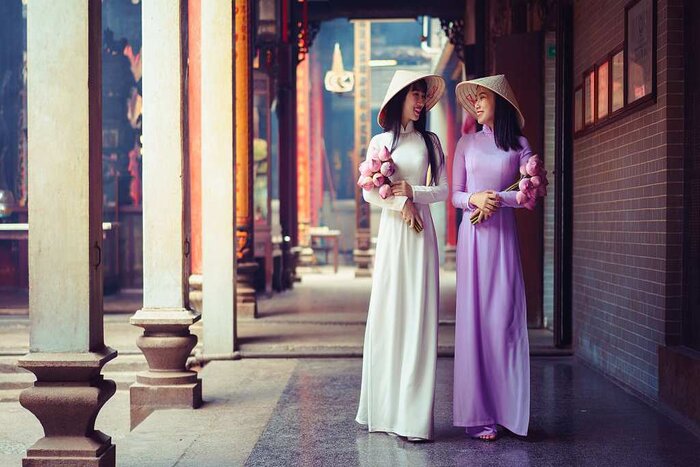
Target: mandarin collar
{"type": "Point", "coordinates": [408, 128]}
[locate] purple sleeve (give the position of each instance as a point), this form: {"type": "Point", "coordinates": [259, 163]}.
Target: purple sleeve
{"type": "Point", "coordinates": [460, 195]}
{"type": "Point", "coordinates": [508, 197]}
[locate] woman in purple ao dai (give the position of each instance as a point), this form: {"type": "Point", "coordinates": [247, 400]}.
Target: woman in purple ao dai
{"type": "Point", "coordinates": [491, 366]}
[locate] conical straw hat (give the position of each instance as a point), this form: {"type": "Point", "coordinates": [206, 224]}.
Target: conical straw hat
{"type": "Point", "coordinates": [403, 78]}
{"type": "Point", "coordinates": [466, 93]}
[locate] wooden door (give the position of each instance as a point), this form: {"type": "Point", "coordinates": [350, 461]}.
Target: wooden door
{"type": "Point", "coordinates": [520, 58]}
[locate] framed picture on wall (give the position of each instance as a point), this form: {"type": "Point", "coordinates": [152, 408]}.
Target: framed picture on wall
{"type": "Point", "coordinates": [578, 109]}
{"type": "Point", "coordinates": [603, 94]}
{"type": "Point", "coordinates": [617, 87]}
{"type": "Point", "coordinates": [640, 51]}
{"type": "Point", "coordinates": [589, 98]}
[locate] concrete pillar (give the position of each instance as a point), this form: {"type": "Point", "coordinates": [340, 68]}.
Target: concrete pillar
{"type": "Point", "coordinates": [303, 89]}
{"type": "Point", "coordinates": [247, 267]}
{"type": "Point", "coordinates": [362, 254]}
{"type": "Point", "coordinates": [286, 114]}
{"type": "Point", "coordinates": [218, 195]}
{"type": "Point", "coordinates": [194, 138]}
{"type": "Point", "coordinates": [165, 316]}
{"type": "Point", "coordinates": [67, 350]}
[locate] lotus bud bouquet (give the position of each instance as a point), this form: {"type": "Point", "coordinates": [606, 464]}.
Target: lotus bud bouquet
{"type": "Point", "coordinates": [375, 172]}
{"type": "Point", "coordinates": [531, 185]}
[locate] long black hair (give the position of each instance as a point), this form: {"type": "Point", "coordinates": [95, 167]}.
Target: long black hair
{"type": "Point", "coordinates": [392, 122]}
{"type": "Point", "coordinates": [506, 125]}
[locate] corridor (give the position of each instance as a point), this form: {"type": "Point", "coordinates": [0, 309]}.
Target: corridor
{"type": "Point", "coordinates": [282, 412]}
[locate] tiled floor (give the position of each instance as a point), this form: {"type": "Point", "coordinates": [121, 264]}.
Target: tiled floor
{"type": "Point", "coordinates": [577, 418]}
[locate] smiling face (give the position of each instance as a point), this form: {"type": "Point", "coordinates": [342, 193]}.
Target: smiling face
{"type": "Point", "coordinates": [485, 106]}
{"type": "Point", "coordinates": [414, 104]}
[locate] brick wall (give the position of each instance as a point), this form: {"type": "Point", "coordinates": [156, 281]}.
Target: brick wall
{"type": "Point", "coordinates": [627, 240]}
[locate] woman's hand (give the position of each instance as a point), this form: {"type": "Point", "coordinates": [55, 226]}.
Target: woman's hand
{"type": "Point", "coordinates": [481, 215]}
{"type": "Point", "coordinates": [486, 201]}
{"type": "Point", "coordinates": [402, 188]}
{"type": "Point", "coordinates": [411, 216]}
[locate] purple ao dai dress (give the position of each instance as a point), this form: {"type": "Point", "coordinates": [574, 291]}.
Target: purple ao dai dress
{"type": "Point", "coordinates": [491, 366]}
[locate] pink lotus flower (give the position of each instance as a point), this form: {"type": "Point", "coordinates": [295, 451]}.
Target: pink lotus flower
{"type": "Point", "coordinates": [365, 170]}
{"type": "Point", "coordinates": [384, 154]}
{"type": "Point", "coordinates": [525, 185]}
{"type": "Point", "coordinates": [385, 191]}
{"type": "Point", "coordinates": [534, 166]}
{"type": "Point", "coordinates": [378, 179]}
{"type": "Point", "coordinates": [374, 165]}
{"type": "Point", "coordinates": [367, 183]}
{"type": "Point", "coordinates": [387, 168]}
{"type": "Point", "coordinates": [532, 185]}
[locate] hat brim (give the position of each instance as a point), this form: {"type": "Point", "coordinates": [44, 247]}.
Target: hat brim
{"type": "Point", "coordinates": [466, 96]}
{"type": "Point", "coordinates": [435, 91]}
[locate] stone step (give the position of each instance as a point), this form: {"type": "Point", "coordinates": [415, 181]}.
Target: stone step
{"type": "Point", "coordinates": [134, 363]}
{"type": "Point", "coordinates": [8, 364]}
{"type": "Point", "coordinates": [293, 350]}
{"type": "Point", "coordinates": [9, 395]}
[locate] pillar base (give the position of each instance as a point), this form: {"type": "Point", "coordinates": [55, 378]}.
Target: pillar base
{"type": "Point", "coordinates": [144, 399]}
{"type": "Point", "coordinates": [45, 459]}
{"type": "Point", "coordinates": [296, 255]}
{"type": "Point", "coordinates": [246, 297]}
{"type": "Point", "coordinates": [66, 398]}
{"type": "Point", "coordinates": [450, 258]}
{"type": "Point", "coordinates": [166, 343]}
{"type": "Point", "coordinates": [363, 260]}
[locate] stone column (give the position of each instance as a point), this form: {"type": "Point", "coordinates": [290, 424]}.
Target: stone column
{"type": "Point", "coordinates": [363, 134]}
{"type": "Point", "coordinates": [194, 138]}
{"type": "Point", "coordinates": [286, 113]}
{"type": "Point", "coordinates": [247, 267]}
{"type": "Point", "coordinates": [303, 89]}
{"type": "Point", "coordinates": [165, 316]}
{"type": "Point", "coordinates": [65, 257]}
{"type": "Point", "coordinates": [218, 195]}
{"type": "Point", "coordinates": [451, 213]}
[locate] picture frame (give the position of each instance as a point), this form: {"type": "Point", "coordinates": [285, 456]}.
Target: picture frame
{"type": "Point", "coordinates": [578, 109]}
{"type": "Point", "coordinates": [640, 52]}
{"type": "Point", "coordinates": [589, 107]}
{"type": "Point", "coordinates": [617, 80]}
{"type": "Point", "coordinates": [602, 90]}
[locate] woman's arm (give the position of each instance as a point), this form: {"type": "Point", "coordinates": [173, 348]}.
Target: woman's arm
{"type": "Point", "coordinates": [508, 197]}
{"type": "Point", "coordinates": [395, 203]}
{"type": "Point", "coordinates": [460, 197]}
{"type": "Point", "coordinates": [427, 194]}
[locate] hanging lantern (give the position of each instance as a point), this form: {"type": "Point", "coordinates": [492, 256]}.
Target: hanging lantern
{"type": "Point", "coordinates": [338, 79]}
